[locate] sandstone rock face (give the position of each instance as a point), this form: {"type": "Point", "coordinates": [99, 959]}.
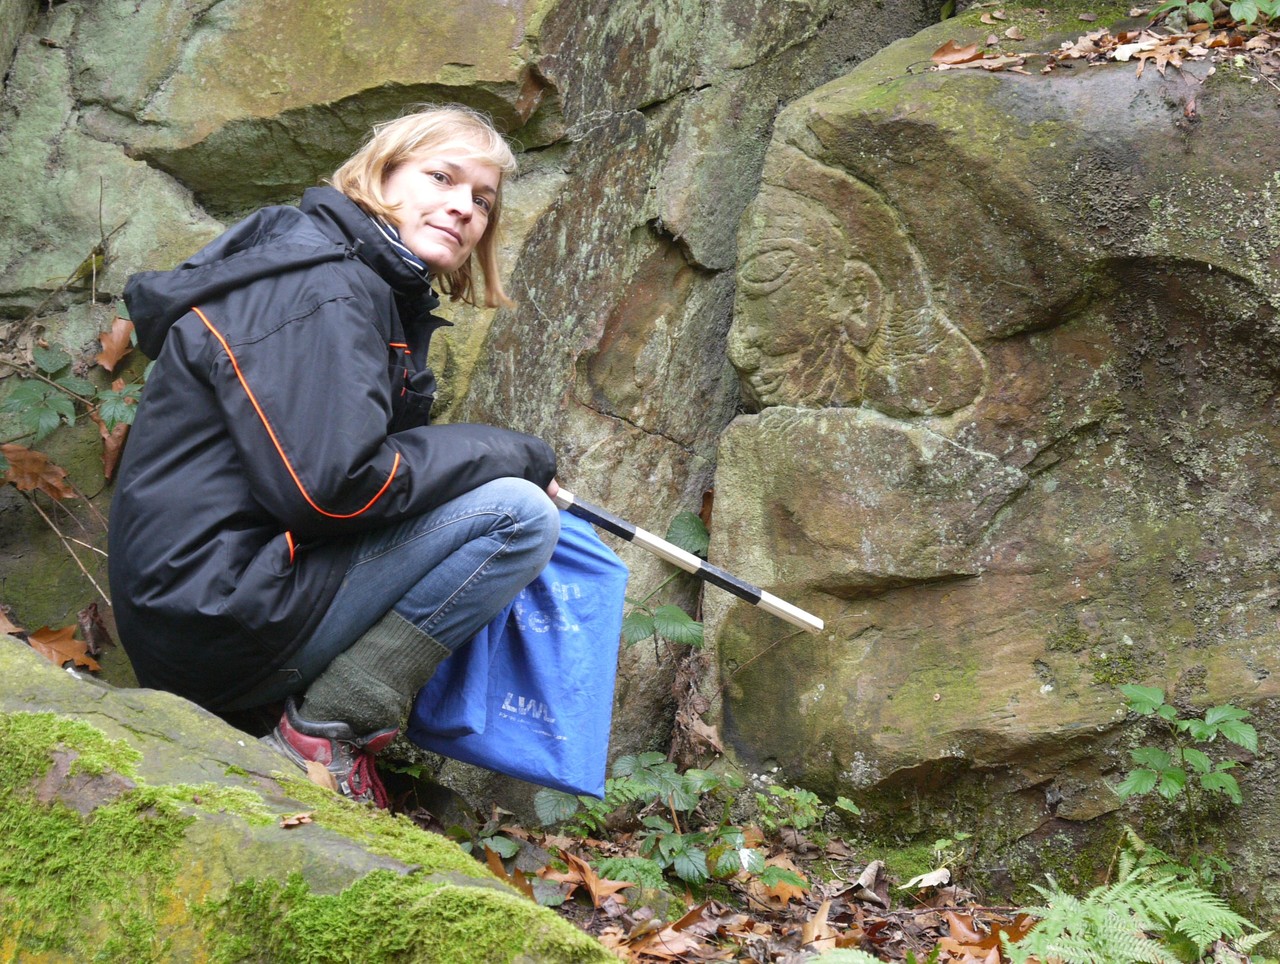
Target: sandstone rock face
{"type": "Point", "coordinates": [14, 15]}
{"type": "Point", "coordinates": [1017, 436]}
{"type": "Point", "coordinates": [140, 827]}
{"type": "Point", "coordinates": [1006, 344]}
{"type": "Point", "coordinates": [643, 128]}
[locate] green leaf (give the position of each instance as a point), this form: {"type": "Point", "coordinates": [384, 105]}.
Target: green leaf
{"type": "Point", "coordinates": [1151, 756]}
{"type": "Point", "coordinates": [1199, 730]}
{"type": "Point", "coordinates": [1172, 782]}
{"type": "Point", "coordinates": [773, 875]}
{"type": "Point", "coordinates": [27, 394]}
{"type": "Point", "coordinates": [1246, 10]}
{"type": "Point", "coordinates": [690, 866]}
{"type": "Point", "coordinates": [554, 806]}
{"type": "Point", "coordinates": [844, 803]}
{"type": "Point", "coordinates": [1143, 699]}
{"type": "Point", "coordinates": [80, 386]}
{"type": "Point", "coordinates": [673, 623]}
{"type": "Point", "coordinates": [51, 359]}
{"type": "Point", "coordinates": [637, 627]}
{"type": "Point", "coordinates": [632, 765]}
{"type": "Point", "coordinates": [504, 847]}
{"type": "Point", "coordinates": [1241, 734]}
{"type": "Point", "coordinates": [1136, 783]}
{"type": "Point", "coordinates": [1222, 783]}
{"type": "Point", "coordinates": [114, 409]}
{"type": "Point", "coordinates": [688, 532]}
{"type": "Point", "coordinates": [1167, 713]}
{"type": "Point", "coordinates": [1200, 11]}
{"type": "Point", "coordinates": [1220, 714]}
{"type": "Point", "coordinates": [1197, 760]}
{"type": "Point", "coordinates": [547, 893]}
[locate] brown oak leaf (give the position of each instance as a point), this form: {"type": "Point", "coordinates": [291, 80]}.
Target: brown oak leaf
{"type": "Point", "coordinates": [59, 646]}
{"type": "Point", "coordinates": [952, 53]}
{"type": "Point", "coordinates": [115, 343]}
{"type": "Point", "coordinates": [30, 470]}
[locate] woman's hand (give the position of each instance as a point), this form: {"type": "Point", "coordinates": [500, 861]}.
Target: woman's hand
{"type": "Point", "coordinates": [552, 488]}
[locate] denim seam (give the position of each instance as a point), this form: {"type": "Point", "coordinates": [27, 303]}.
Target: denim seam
{"type": "Point", "coordinates": [418, 534]}
{"type": "Point", "coordinates": [457, 595]}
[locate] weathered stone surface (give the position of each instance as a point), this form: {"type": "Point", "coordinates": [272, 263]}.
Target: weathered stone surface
{"type": "Point", "coordinates": [14, 17]}
{"type": "Point", "coordinates": [872, 502]}
{"type": "Point", "coordinates": [64, 194]}
{"type": "Point", "coordinates": [1062, 328]}
{"type": "Point", "coordinates": [139, 825]}
{"type": "Point", "coordinates": [247, 103]}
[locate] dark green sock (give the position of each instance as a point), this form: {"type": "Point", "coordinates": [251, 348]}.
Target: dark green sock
{"type": "Point", "coordinates": [370, 684]}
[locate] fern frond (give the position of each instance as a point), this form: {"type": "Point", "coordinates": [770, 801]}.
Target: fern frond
{"type": "Point", "coordinates": [1114, 922]}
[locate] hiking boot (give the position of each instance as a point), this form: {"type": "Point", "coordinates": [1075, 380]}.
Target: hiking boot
{"type": "Point", "coordinates": [335, 745]}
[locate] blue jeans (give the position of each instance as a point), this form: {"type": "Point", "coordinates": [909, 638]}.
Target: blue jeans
{"type": "Point", "coordinates": [448, 571]}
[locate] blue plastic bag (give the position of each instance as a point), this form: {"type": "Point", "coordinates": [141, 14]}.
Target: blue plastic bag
{"type": "Point", "coordinates": [532, 695]}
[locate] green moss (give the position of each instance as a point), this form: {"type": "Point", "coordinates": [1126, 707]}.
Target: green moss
{"type": "Point", "coordinates": [57, 866]}
{"type": "Point", "coordinates": [1068, 636]}
{"type": "Point", "coordinates": [1117, 664]}
{"type": "Point", "coordinates": [387, 917]}
{"type": "Point", "coordinates": [910, 861]}
{"type": "Point", "coordinates": [105, 885]}
{"type": "Point", "coordinates": [382, 834]}
{"type": "Point", "coordinates": [29, 739]}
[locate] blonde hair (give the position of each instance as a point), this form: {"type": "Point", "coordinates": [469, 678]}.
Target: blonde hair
{"type": "Point", "coordinates": [430, 130]}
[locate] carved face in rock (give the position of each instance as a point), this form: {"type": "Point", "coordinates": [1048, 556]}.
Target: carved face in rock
{"type": "Point", "coordinates": [803, 316]}
{"type": "Point", "coordinates": [834, 306]}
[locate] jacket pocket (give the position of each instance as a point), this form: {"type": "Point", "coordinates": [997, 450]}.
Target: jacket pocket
{"type": "Point", "coordinates": [410, 406]}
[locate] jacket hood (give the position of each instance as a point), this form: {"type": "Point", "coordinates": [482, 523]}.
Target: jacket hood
{"type": "Point", "coordinates": [328, 226]}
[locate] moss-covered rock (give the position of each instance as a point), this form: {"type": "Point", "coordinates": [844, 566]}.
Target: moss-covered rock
{"type": "Point", "coordinates": [138, 827]}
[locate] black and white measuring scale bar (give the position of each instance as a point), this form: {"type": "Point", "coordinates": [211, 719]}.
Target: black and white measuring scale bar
{"type": "Point", "coordinates": [687, 561]}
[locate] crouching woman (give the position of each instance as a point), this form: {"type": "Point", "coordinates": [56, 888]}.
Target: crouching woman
{"type": "Point", "coordinates": [286, 523]}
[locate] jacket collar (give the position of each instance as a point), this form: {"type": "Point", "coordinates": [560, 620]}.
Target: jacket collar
{"type": "Point", "coordinates": [345, 221]}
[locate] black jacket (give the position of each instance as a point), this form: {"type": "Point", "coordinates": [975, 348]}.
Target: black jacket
{"type": "Point", "coordinates": [285, 415]}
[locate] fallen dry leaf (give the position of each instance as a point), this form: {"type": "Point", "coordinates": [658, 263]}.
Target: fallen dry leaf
{"type": "Point", "coordinates": [952, 53]}
{"type": "Point", "coordinates": [31, 470]}
{"type": "Point", "coordinates": [1013, 33]}
{"type": "Point", "coordinates": [582, 874]}
{"type": "Point", "coordinates": [5, 625]}
{"type": "Point", "coordinates": [816, 933]}
{"type": "Point", "coordinates": [115, 343]}
{"type": "Point", "coordinates": [59, 646]}
{"type": "Point", "coordinates": [94, 630]}
{"type": "Point", "coordinates": [112, 442]}
{"type": "Point", "coordinates": [319, 774]}
{"type": "Point", "coordinates": [296, 820]}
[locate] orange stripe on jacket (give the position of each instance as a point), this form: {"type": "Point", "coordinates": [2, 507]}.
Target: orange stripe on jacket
{"type": "Point", "coordinates": [276, 441]}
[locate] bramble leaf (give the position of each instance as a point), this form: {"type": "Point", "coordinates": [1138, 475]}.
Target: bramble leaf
{"type": "Point", "coordinates": [1137, 783]}
{"type": "Point", "coordinates": [1198, 761]}
{"type": "Point", "coordinates": [673, 623]}
{"type": "Point", "coordinates": [50, 359]}
{"type": "Point", "coordinates": [1151, 756]}
{"type": "Point", "coordinates": [1241, 734]}
{"type": "Point", "coordinates": [1143, 699]}
{"type": "Point", "coordinates": [637, 627]}
{"type": "Point", "coordinates": [1222, 783]}
{"type": "Point", "coordinates": [1172, 782]}
{"type": "Point", "coordinates": [688, 532]}
{"type": "Point", "coordinates": [554, 806]}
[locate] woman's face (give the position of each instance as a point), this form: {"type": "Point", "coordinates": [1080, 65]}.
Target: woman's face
{"type": "Point", "coordinates": [442, 205]}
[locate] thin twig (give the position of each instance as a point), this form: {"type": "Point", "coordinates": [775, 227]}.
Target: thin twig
{"type": "Point", "coordinates": [90, 548]}
{"type": "Point", "coordinates": [58, 532]}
